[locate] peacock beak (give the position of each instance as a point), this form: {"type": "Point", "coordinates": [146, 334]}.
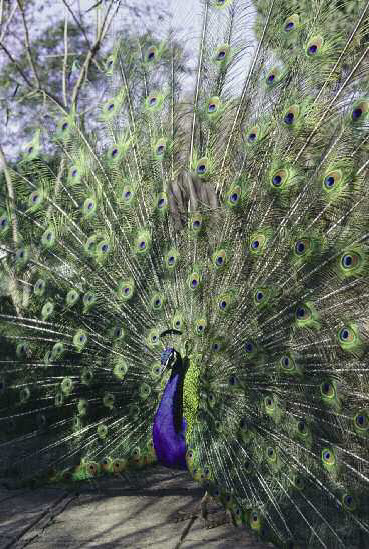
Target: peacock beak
{"type": "Point", "coordinates": [164, 366]}
{"type": "Point", "coordinates": [166, 363]}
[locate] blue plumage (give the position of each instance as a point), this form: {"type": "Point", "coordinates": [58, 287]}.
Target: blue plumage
{"type": "Point", "coordinates": [169, 424]}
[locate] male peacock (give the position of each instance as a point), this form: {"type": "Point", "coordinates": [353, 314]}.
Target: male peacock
{"type": "Point", "coordinates": [228, 232]}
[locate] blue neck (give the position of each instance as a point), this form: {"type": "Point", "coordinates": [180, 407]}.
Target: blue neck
{"type": "Point", "coordinates": [170, 425]}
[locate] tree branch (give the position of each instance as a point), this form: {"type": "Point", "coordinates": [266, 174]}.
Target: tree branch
{"type": "Point", "coordinates": [3, 31]}
{"type": "Point", "coordinates": [91, 54]}
{"type": "Point", "coordinates": [41, 90]}
{"type": "Point", "coordinates": [16, 65]}
{"type": "Point", "coordinates": [65, 60]}
{"type": "Point", "coordinates": [28, 47]}
{"type": "Point", "coordinates": [78, 24]}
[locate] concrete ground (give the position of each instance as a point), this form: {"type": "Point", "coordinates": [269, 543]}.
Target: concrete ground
{"type": "Point", "coordinates": [114, 513]}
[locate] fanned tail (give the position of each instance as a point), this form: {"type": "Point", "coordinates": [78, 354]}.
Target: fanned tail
{"type": "Point", "coordinates": [236, 224]}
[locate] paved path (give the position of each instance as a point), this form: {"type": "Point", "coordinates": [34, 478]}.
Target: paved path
{"type": "Point", "coordinates": [114, 513]}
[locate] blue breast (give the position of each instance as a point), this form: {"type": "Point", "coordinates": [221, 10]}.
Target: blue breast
{"type": "Point", "coordinates": [170, 443]}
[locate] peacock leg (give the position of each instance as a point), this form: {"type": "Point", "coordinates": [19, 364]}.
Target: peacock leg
{"type": "Point", "coordinates": [203, 511]}
{"type": "Point", "coordinates": [222, 519]}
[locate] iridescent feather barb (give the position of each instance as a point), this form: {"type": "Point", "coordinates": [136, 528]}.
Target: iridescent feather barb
{"type": "Point", "coordinates": [229, 229]}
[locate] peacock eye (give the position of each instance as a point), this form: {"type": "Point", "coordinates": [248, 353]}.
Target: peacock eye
{"type": "Point", "coordinates": [271, 78]}
{"type": "Point", "coordinates": [329, 181]}
{"type": "Point", "coordinates": [300, 313]}
{"type": "Point", "coordinates": [289, 118]}
{"type": "Point", "coordinates": [251, 137]}
{"type": "Point", "coordinates": [289, 26]}
{"type": "Point", "coordinates": [64, 126]}
{"type": "Point", "coordinates": [234, 197]}
{"type": "Point", "coordinates": [221, 55]}
{"type": "Point", "coordinates": [299, 247]}
{"type": "Point", "coordinates": [312, 49]}
{"type": "Point", "coordinates": [255, 244]}
{"type": "Point", "coordinates": [201, 168]}
{"type": "Point", "coordinates": [347, 261]}
{"type": "Point", "coordinates": [356, 113]}
{"type": "Point", "coordinates": [277, 180]}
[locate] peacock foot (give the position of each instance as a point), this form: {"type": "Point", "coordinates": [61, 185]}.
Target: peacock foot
{"type": "Point", "coordinates": [203, 511]}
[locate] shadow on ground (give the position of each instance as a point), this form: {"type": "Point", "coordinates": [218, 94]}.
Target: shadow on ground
{"type": "Point", "coordinates": [135, 512]}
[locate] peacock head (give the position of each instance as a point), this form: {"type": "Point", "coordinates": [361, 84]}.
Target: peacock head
{"type": "Point", "coordinates": [171, 359]}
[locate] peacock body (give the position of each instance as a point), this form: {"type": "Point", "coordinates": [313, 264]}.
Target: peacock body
{"type": "Point", "coordinates": [192, 282]}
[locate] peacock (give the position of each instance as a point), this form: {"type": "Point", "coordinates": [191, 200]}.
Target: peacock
{"type": "Point", "coordinates": [191, 280]}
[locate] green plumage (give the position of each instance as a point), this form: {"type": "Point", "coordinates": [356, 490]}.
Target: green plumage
{"type": "Point", "coordinates": [239, 218]}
